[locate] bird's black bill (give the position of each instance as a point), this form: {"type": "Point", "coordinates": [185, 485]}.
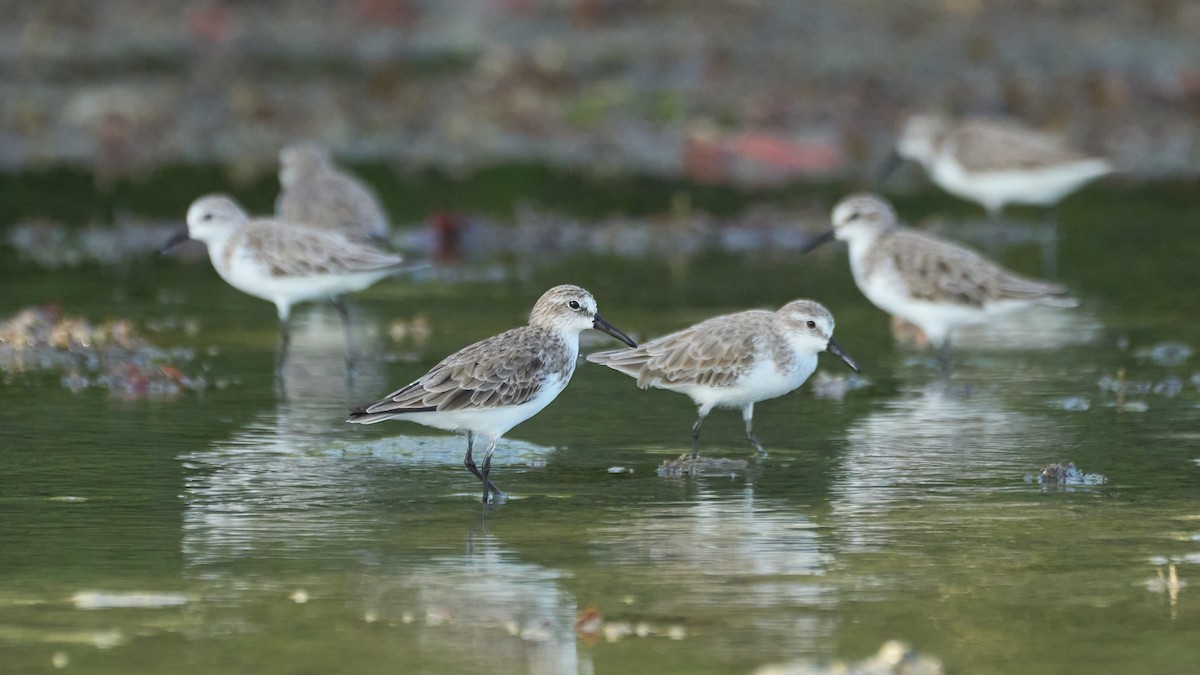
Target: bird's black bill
{"type": "Point", "coordinates": [817, 241]}
{"type": "Point", "coordinates": [889, 166]}
{"type": "Point", "coordinates": [599, 323]}
{"type": "Point", "coordinates": [175, 240]}
{"type": "Point", "coordinates": [836, 349]}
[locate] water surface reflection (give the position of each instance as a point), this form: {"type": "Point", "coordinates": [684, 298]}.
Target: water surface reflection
{"type": "Point", "coordinates": [939, 442]}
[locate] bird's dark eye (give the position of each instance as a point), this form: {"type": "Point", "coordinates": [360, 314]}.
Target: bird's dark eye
{"type": "Point", "coordinates": [574, 304]}
{"type": "Point", "coordinates": [207, 216]}
{"type": "Point", "coordinates": [811, 324]}
{"type": "Point", "coordinates": [854, 215]}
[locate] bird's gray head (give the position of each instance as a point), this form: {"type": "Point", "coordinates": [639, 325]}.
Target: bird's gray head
{"type": "Point", "coordinates": [857, 218]}
{"type": "Point", "coordinates": [810, 329]}
{"type": "Point", "coordinates": [571, 310]}
{"type": "Point", "coordinates": [214, 217]}
{"type": "Point", "coordinates": [919, 138]}
{"type": "Point", "coordinates": [299, 161]}
{"type": "Point", "coordinates": [863, 214]}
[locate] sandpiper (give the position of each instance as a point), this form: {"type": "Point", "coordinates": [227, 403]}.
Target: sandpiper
{"type": "Point", "coordinates": [282, 262]}
{"type": "Point", "coordinates": [489, 387]}
{"type": "Point", "coordinates": [735, 360]}
{"type": "Point", "coordinates": [935, 284]}
{"type": "Point", "coordinates": [996, 162]}
{"type": "Point", "coordinates": [315, 192]}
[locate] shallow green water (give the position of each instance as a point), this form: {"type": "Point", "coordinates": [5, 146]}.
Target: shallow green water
{"type": "Point", "coordinates": [262, 534]}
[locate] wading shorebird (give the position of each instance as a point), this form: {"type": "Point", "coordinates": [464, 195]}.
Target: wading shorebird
{"type": "Point", "coordinates": [488, 388]}
{"type": "Point", "coordinates": [733, 361]}
{"type": "Point", "coordinates": [282, 262]}
{"type": "Point", "coordinates": [933, 283]}
{"type": "Point", "coordinates": [994, 162]}
{"type": "Point", "coordinates": [316, 193]}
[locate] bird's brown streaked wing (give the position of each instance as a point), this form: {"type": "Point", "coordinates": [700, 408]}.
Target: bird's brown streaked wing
{"type": "Point", "coordinates": [507, 369]}
{"type": "Point", "coordinates": [941, 271]}
{"type": "Point", "coordinates": [986, 145]}
{"type": "Point", "coordinates": [288, 250]}
{"type": "Point", "coordinates": [1009, 285]}
{"type": "Point", "coordinates": [712, 353]}
{"type": "Point", "coordinates": [333, 201]}
{"type": "Point", "coordinates": [936, 270]}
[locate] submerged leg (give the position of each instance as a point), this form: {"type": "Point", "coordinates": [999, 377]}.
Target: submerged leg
{"type": "Point", "coordinates": [488, 485]}
{"type": "Point", "coordinates": [944, 356]}
{"type": "Point", "coordinates": [469, 462]}
{"type": "Point", "coordinates": [285, 338]}
{"type": "Point", "coordinates": [748, 416]}
{"type": "Point", "coordinates": [1049, 242]}
{"type": "Point", "coordinates": [704, 410]}
{"type": "Point", "coordinates": [344, 313]}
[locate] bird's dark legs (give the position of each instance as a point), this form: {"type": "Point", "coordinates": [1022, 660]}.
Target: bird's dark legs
{"type": "Point", "coordinates": [944, 356]}
{"type": "Point", "coordinates": [469, 462]}
{"type": "Point", "coordinates": [487, 467]}
{"type": "Point", "coordinates": [285, 338]}
{"type": "Point", "coordinates": [704, 410]}
{"type": "Point", "coordinates": [748, 415]}
{"type": "Point", "coordinates": [497, 495]}
{"type": "Point", "coordinates": [344, 313]}
{"type": "Point", "coordinates": [1049, 242]}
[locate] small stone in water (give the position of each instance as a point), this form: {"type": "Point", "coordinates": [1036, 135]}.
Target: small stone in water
{"type": "Point", "coordinates": [835, 387]}
{"type": "Point", "coordinates": [1075, 404]}
{"type": "Point", "coordinates": [615, 630]}
{"type": "Point", "coordinates": [1115, 385]}
{"type": "Point", "coordinates": [1167, 353]}
{"type": "Point", "coordinates": [1135, 406]}
{"type": "Point", "coordinates": [60, 660]}
{"type": "Point", "coordinates": [894, 657]}
{"type": "Point", "coordinates": [299, 596]}
{"type": "Point", "coordinates": [589, 623]}
{"type": "Point", "coordinates": [1066, 473]}
{"type": "Point", "coordinates": [619, 469]}
{"type": "Point", "coordinates": [1170, 387]}
{"type": "Point", "coordinates": [685, 465]}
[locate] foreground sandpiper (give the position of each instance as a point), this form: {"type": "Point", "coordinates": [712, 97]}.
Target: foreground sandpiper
{"type": "Point", "coordinates": [995, 162]}
{"type": "Point", "coordinates": [316, 193]}
{"type": "Point", "coordinates": [282, 262]}
{"type": "Point", "coordinates": [735, 360]}
{"type": "Point", "coordinates": [932, 283]}
{"type": "Point", "coordinates": [489, 387]}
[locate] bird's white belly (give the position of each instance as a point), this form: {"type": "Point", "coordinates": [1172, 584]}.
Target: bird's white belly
{"type": "Point", "coordinates": [937, 319]}
{"type": "Point", "coordinates": [253, 280]}
{"type": "Point", "coordinates": [993, 189]}
{"type": "Point", "coordinates": [763, 382]}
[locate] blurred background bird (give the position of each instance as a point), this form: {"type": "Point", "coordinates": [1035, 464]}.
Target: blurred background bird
{"type": "Point", "coordinates": [316, 193]}
{"type": "Point", "coordinates": [995, 162]}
